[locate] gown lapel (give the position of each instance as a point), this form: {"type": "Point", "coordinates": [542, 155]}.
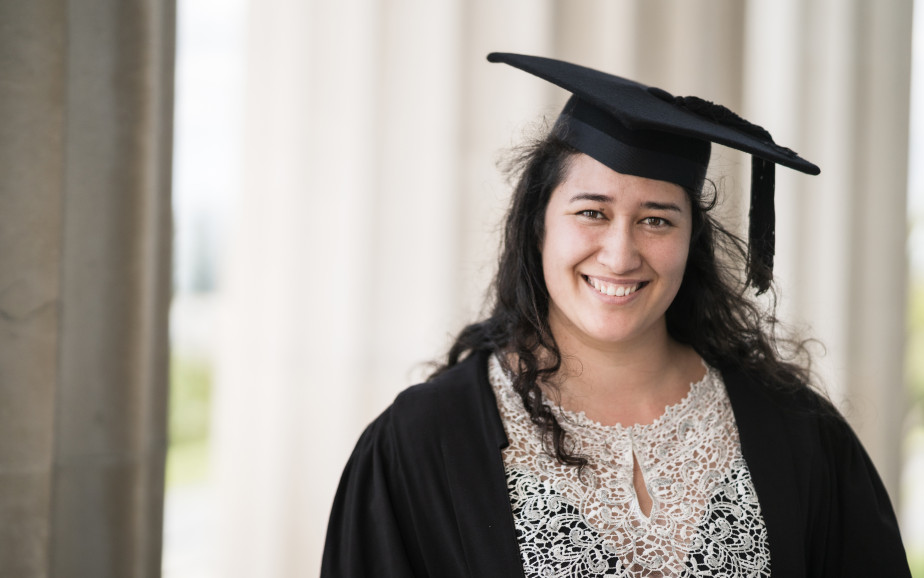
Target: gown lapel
{"type": "Point", "coordinates": [766, 445]}
{"type": "Point", "coordinates": [478, 485]}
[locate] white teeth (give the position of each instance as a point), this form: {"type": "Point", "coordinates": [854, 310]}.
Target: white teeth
{"type": "Point", "coordinates": [613, 290]}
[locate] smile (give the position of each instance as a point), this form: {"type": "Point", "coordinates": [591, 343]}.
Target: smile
{"type": "Point", "coordinates": [614, 289]}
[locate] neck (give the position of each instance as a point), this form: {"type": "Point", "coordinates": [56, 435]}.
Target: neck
{"type": "Point", "coordinates": [625, 383]}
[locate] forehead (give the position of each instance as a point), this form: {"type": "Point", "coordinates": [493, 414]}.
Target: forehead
{"type": "Point", "coordinates": [587, 175]}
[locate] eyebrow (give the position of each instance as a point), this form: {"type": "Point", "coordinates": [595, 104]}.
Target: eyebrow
{"type": "Point", "coordinates": [661, 206]}
{"type": "Point", "coordinates": [594, 197]}
{"type": "Point", "coordinates": [599, 198]}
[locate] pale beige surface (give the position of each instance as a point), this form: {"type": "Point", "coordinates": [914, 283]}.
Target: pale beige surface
{"type": "Point", "coordinates": [86, 102]}
{"type": "Point", "coordinates": [31, 162]}
{"type": "Point", "coordinates": [839, 88]}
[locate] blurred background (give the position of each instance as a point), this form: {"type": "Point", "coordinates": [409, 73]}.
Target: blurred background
{"type": "Point", "coordinates": [309, 190]}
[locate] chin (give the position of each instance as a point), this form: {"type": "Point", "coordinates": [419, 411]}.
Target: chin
{"type": "Point", "coordinates": [607, 335]}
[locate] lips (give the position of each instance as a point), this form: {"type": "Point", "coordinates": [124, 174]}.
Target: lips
{"type": "Point", "coordinates": [614, 289]}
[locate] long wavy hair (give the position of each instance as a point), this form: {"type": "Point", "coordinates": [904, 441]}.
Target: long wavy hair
{"type": "Point", "coordinates": [712, 312]}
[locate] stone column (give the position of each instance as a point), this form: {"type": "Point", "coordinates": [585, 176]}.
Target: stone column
{"type": "Point", "coordinates": [877, 241]}
{"type": "Point", "coordinates": [85, 145]}
{"type": "Point", "coordinates": [363, 235]}
{"type": "Point", "coordinates": [835, 77]}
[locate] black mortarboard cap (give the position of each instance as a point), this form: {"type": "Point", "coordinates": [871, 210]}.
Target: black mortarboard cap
{"type": "Point", "coordinates": [645, 131]}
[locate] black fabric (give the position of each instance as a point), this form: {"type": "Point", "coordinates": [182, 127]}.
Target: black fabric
{"type": "Point", "coordinates": [643, 153]}
{"type": "Point", "coordinates": [425, 495]}
{"type": "Point", "coordinates": [641, 108]}
{"type": "Point", "coordinates": [762, 229]}
{"type": "Point", "coordinates": [634, 152]}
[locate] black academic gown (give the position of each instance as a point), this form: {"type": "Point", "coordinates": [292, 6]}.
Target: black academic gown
{"type": "Point", "coordinates": [425, 493]}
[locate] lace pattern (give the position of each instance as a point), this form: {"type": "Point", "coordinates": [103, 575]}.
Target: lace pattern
{"type": "Point", "coordinates": [705, 518]}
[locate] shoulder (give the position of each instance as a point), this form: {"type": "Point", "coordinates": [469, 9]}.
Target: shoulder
{"type": "Point", "coordinates": [801, 426]}
{"type": "Point", "coordinates": [457, 387]}
{"type": "Point", "coordinates": [797, 404]}
{"type": "Point", "coordinates": [393, 514]}
{"type": "Point", "coordinates": [822, 499]}
{"type": "Point", "coordinates": [456, 403]}
{"type": "Point", "coordinates": [793, 423]}
{"type": "Point", "coordinates": [457, 394]}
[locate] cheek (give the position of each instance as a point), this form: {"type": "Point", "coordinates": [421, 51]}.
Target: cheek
{"type": "Point", "coordinates": [677, 262]}
{"type": "Point", "coordinates": [672, 260]}
{"type": "Point", "coordinates": [564, 248]}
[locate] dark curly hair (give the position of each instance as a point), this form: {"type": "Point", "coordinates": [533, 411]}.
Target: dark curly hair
{"type": "Point", "coordinates": [712, 312]}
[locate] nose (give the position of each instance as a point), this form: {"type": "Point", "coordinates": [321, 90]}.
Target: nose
{"type": "Point", "coordinates": [619, 250]}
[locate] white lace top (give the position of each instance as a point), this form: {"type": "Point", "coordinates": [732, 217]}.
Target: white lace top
{"type": "Point", "coordinates": [705, 518]}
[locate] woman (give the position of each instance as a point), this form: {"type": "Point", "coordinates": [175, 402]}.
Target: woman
{"type": "Point", "coordinates": [624, 410]}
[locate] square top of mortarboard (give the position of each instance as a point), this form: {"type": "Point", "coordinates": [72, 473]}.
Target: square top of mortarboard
{"type": "Point", "coordinates": [643, 108]}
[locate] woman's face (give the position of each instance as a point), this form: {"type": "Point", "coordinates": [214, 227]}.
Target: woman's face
{"type": "Point", "coordinates": [613, 254]}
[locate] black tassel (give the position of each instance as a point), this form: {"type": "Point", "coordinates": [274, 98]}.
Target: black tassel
{"type": "Point", "coordinates": [762, 231]}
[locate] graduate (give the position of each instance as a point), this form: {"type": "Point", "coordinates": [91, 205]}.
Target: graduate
{"type": "Point", "coordinates": [627, 410]}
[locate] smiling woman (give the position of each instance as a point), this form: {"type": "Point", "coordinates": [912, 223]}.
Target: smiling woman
{"type": "Point", "coordinates": [626, 409]}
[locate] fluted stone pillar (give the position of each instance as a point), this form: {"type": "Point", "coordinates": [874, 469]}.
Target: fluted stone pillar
{"type": "Point", "coordinates": [364, 236]}
{"type": "Point", "coordinates": [877, 242]}
{"type": "Point", "coordinates": [85, 144]}
{"type": "Point", "coordinates": [835, 77]}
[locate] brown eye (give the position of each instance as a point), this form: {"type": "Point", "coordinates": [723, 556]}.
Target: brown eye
{"type": "Point", "coordinates": [591, 214]}
{"type": "Point", "coordinates": [656, 222]}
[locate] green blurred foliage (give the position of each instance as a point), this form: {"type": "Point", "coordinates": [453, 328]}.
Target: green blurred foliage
{"type": "Point", "coordinates": [916, 561]}
{"type": "Point", "coordinates": [187, 463]}
{"type": "Point", "coordinates": [915, 352]}
{"type": "Point", "coordinates": [190, 399]}
{"type": "Point", "coordinates": [189, 420]}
